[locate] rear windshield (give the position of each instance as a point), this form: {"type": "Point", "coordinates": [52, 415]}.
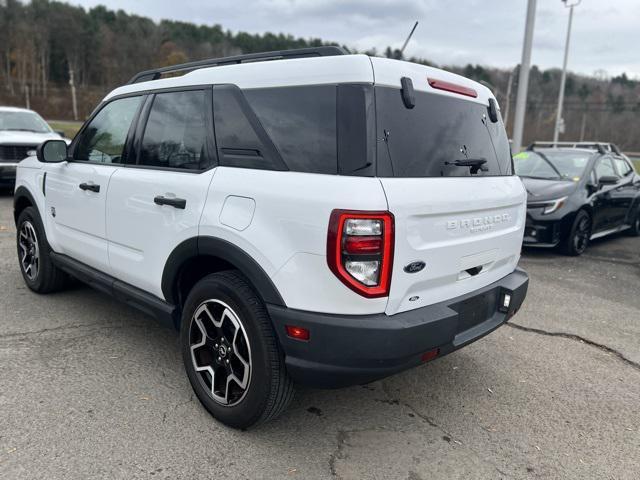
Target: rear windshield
{"type": "Point", "coordinates": [441, 136]}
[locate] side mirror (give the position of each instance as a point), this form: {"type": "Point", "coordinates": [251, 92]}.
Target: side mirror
{"type": "Point", "coordinates": [52, 151]}
{"type": "Point", "coordinates": [607, 180]}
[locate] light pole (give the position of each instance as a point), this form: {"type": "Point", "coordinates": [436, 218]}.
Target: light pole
{"type": "Point", "coordinates": [523, 78]}
{"type": "Point", "coordinates": [559, 119]}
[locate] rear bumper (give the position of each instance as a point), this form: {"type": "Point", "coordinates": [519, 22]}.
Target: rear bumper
{"type": "Point", "coordinates": [355, 349]}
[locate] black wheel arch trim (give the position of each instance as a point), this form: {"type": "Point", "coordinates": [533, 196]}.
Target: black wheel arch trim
{"type": "Point", "coordinates": [20, 194]}
{"type": "Point", "coordinates": [227, 251]}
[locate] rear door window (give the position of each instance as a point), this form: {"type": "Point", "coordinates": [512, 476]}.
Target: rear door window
{"type": "Point", "coordinates": [240, 137]}
{"type": "Point", "coordinates": [436, 136]}
{"type": "Point", "coordinates": [175, 135]}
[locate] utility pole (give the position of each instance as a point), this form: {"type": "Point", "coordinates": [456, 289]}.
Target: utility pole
{"type": "Point", "coordinates": [523, 79]}
{"type": "Point", "coordinates": [508, 100]}
{"type": "Point", "coordinates": [74, 101]}
{"type": "Point", "coordinates": [559, 120]}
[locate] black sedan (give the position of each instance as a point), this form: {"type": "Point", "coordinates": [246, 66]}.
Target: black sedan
{"type": "Point", "coordinates": [578, 194]}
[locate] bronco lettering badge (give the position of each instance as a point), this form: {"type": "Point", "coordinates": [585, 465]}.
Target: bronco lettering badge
{"type": "Point", "coordinates": [478, 224]}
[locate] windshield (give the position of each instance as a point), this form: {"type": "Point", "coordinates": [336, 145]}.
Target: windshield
{"type": "Point", "coordinates": [23, 122]}
{"type": "Point", "coordinates": [552, 165]}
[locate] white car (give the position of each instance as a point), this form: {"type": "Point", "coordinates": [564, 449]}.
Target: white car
{"type": "Point", "coordinates": [306, 216]}
{"type": "Point", "coordinates": [21, 131]}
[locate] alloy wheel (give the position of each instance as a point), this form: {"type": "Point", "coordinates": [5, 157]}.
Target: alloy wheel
{"type": "Point", "coordinates": [220, 352]}
{"type": "Point", "coordinates": [582, 234]}
{"type": "Point", "coordinates": [29, 250]}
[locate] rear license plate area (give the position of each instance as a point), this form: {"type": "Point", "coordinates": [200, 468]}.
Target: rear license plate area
{"type": "Point", "coordinates": [475, 310]}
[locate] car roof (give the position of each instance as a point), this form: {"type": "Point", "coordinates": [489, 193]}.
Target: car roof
{"type": "Point", "coordinates": [15, 109]}
{"type": "Point", "coordinates": [334, 69]}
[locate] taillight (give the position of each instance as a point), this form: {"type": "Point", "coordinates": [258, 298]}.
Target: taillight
{"type": "Point", "coordinates": [360, 250]}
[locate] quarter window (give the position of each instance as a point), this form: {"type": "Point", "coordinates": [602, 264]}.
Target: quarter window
{"type": "Point", "coordinates": [176, 132]}
{"type": "Point", "coordinates": [301, 122]}
{"type": "Point", "coordinates": [103, 140]}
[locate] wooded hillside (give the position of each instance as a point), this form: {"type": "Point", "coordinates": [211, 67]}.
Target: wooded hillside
{"type": "Point", "coordinates": [44, 44]}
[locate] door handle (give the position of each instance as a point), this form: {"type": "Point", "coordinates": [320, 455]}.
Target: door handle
{"type": "Point", "coordinates": [89, 186]}
{"type": "Point", "coordinates": [180, 203]}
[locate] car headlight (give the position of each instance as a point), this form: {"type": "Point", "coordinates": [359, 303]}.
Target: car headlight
{"type": "Point", "coordinates": [553, 205]}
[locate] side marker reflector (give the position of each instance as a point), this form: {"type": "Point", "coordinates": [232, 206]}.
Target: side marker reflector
{"type": "Point", "coordinates": [297, 333]}
{"type": "Point", "coordinates": [430, 355]}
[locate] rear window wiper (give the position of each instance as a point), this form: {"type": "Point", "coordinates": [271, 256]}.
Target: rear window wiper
{"type": "Point", "coordinates": [474, 164]}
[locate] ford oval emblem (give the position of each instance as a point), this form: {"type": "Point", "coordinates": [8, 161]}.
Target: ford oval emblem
{"type": "Point", "coordinates": [414, 267]}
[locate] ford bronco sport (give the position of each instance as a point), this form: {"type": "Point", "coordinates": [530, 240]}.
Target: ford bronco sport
{"type": "Point", "coordinates": [306, 216]}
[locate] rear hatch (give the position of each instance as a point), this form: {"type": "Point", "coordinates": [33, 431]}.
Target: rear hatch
{"type": "Point", "coordinates": [446, 170]}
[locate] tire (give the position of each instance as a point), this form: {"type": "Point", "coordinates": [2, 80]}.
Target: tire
{"type": "Point", "coordinates": [240, 348]}
{"type": "Point", "coordinates": [38, 271]}
{"type": "Point", "coordinates": [578, 239]}
{"type": "Point", "coordinates": [634, 231]}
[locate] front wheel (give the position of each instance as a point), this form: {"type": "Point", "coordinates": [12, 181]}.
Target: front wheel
{"type": "Point", "coordinates": [38, 271]}
{"type": "Point", "coordinates": [578, 239]}
{"type": "Point", "coordinates": [231, 354]}
{"type": "Point", "coordinates": [634, 231]}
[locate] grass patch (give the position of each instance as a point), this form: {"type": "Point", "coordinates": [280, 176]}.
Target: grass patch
{"type": "Point", "coordinates": [636, 162]}
{"type": "Point", "coordinates": [69, 128]}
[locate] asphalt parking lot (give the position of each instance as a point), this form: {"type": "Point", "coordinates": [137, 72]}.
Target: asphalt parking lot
{"type": "Point", "coordinates": [90, 388]}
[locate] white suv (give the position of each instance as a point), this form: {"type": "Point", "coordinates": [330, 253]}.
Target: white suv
{"type": "Point", "coordinates": [305, 216]}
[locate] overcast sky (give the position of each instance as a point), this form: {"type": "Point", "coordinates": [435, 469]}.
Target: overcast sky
{"type": "Point", "coordinates": [606, 33]}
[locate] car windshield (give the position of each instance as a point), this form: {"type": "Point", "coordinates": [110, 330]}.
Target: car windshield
{"type": "Point", "coordinates": [552, 165]}
{"type": "Point", "coordinates": [23, 122]}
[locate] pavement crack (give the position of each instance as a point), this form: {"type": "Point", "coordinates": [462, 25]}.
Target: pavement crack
{"type": "Point", "coordinates": [175, 407]}
{"type": "Point", "coordinates": [61, 328]}
{"type": "Point", "coordinates": [341, 438]}
{"type": "Point", "coordinates": [578, 338]}
{"type": "Point", "coordinates": [425, 418]}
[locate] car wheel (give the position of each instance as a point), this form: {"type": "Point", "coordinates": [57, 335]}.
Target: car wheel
{"type": "Point", "coordinates": [634, 231]}
{"type": "Point", "coordinates": [578, 238]}
{"type": "Point", "coordinates": [231, 354]}
{"type": "Point", "coordinates": [38, 271]}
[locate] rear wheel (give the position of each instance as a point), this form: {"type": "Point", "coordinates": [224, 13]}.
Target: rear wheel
{"type": "Point", "coordinates": [38, 271]}
{"type": "Point", "coordinates": [578, 239]}
{"type": "Point", "coordinates": [231, 353]}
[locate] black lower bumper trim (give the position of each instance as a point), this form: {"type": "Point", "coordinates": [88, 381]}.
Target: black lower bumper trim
{"type": "Point", "coordinates": [354, 349]}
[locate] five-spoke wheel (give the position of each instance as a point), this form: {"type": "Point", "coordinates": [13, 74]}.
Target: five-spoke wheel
{"type": "Point", "coordinates": [230, 351]}
{"type": "Point", "coordinates": [220, 351]}
{"type": "Point", "coordinates": [29, 250]}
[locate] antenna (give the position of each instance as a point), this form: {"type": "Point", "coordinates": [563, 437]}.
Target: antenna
{"type": "Point", "coordinates": [408, 38]}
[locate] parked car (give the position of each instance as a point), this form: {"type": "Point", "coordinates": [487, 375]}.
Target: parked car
{"type": "Point", "coordinates": [577, 192]}
{"type": "Point", "coordinates": [305, 216]}
{"type": "Point", "coordinates": [21, 131]}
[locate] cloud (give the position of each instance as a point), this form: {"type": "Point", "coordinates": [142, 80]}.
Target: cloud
{"type": "Point", "coordinates": [487, 32]}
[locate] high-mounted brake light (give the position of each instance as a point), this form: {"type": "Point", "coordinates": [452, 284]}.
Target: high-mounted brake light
{"type": "Point", "coordinates": [452, 87]}
{"type": "Point", "coordinates": [360, 250]}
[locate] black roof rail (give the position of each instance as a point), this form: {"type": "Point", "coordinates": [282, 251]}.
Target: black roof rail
{"type": "Point", "coordinates": [156, 73]}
